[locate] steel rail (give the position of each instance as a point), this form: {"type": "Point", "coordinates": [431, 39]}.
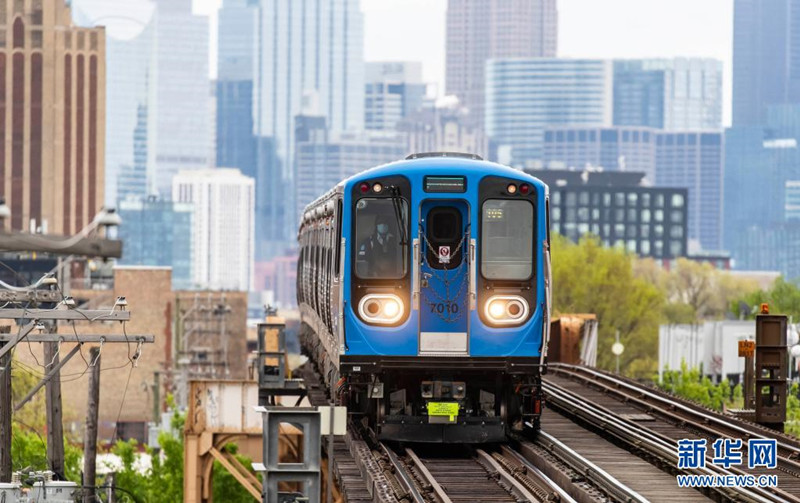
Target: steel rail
{"type": "Point", "coordinates": [591, 471]}
{"type": "Point", "coordinates": [517, 489]}
{"type": "Point", "coordinates": [429, 479]}
{"type": "Point", "coordinates": [643, 438]}
{"type": "Point", "coordinates": [575, 370]}
{"type": "Point", "coordinates": [563, 496]}
{"type": "Point", "coordinates": [402, 476]}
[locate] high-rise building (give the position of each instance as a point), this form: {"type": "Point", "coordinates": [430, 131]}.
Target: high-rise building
{"type": "Point", "coordinates": [761, 162]}
{"type": "Point", "coordinates": [52, 117]}
{"type": "Point", "coordinates": [609, 148]}
{"type": "Point", "coordinates": [480, 30]}
{"type": "Point", "coordinates": [619, 209]}
{"type": "Point", "coordinates": [130, 91]}
{"type": "Point", "coordinates": [158, 233]}
{"type": "Point", "coordinates": [766, 57]}
{"type": "Point", "coordinates": [309, 61]}
{"type": "Point", "coordinates": [324, 157]}
{"type": "Point", "coordinates": [682, 94]}
{"type": "Point", "coordinates": [394, 90]}
{"type": "Point", "coordinates": [691, 160]}
{"type": "Point", "coordinates": [223, 227]}
{"type": "Point", "coordinates": [183, 106]}
{"type": "Point", "coordinates": [235, 142]}
{"type": "Point", "coordinates": [695, 161]}
{"type": "Point", "coordinates": [443, 129]}
{"type": "Point", "coordinates": [525, 96]}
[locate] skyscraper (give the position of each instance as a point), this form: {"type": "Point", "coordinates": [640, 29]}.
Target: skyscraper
{"type": "Point", "coordinates": [766, 57]}
{"type": "Point", "coordinates": [524, 96]}
{"type": "Point", "coordinates": [52, 116]}
{"type": "Point", "coordinates": [223, 226]}
{"type": "Point", "coordinates": [309, 60]}
{"type": "Point", "coordinates": [130, 91]}
{"type": "Point", "coordinates": [691, 160]}
{"type": "Point", "coordinates": [480, 30]}
{"type": "Point", "coordinates": [682, 94]}
{"type": "Point", "coordinates": [394, 90]}
{"type": "Point", "coordinates": [235, 142]}
{"type": "Point", "coordinates": [183, 113]}
{"type": "Point", "coordinates": [324, 158]}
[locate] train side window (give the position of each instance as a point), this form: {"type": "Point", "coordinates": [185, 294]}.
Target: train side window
{"type": "Point", "coordinates": [338, 243]}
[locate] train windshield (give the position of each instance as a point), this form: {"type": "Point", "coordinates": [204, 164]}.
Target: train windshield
{"type": "Point", "coordinates": [379, 252]}
{"type": "Point", "coordinates": [507, 239]}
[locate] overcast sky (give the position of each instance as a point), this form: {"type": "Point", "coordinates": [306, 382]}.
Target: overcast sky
{"type": "Point", "coordinates": [414, 30]}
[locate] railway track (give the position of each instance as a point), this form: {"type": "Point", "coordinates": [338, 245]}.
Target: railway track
{"type": "Point", "coordinates": [650, 423]}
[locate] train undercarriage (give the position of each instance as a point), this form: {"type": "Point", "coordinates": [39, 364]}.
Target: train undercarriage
{"type": "Point", "coordinates": [440, 399]}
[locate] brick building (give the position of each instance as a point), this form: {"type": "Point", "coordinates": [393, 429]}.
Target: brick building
{"type": "Point", "coordinates": [52, 116]}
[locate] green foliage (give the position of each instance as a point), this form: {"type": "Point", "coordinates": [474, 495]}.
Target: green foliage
{"type": "Point", "coordinates": [690, 384]}
{"type": "Point", "coordinates": [589, 278]}
{"type": "Point", "coordinates": [163, 481]}
{"type": "Point", "coordinates": [793, 412]}
{"type": "Point", "coordinates": [783, 298]}
{"type": "Point", "coordinates": [226, 487]}
{"type": "Point", "coordinates": [29, 452]}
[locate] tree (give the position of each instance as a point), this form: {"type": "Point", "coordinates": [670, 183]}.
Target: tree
{"type": "Point", "coordinates": [783, 298]}
{"type": "Point", "coordinates": [588, 278]}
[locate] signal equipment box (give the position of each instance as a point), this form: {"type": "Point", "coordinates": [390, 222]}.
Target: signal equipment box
{"type": "Point", "coordinates": [772, 370]}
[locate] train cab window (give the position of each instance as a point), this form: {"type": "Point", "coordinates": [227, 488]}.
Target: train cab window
{"type": "Point", "coordinates": [379, 254]}
{"type": "Point", "coordinates": [507, 239]}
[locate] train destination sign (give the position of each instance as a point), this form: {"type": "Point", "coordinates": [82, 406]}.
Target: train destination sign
{"type": "Point", "coordinates": [445, 184]}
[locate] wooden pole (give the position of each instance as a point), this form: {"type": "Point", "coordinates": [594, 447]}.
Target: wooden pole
{"type": "Point", "coordinates": [5, 417]}
{"type": "Point", "coordinates": [749, 383]}
{"type": "Point", "coordinates": [55, 428]}
{"type": "Point", "coordinates": [90, 435]}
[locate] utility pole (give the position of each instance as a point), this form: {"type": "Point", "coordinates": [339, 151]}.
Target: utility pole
{"type": "Point", "coordinates": [55, 428]}
{"type": "Point", "coordinates": [5, 416]}
{"type": "Point", "coordinates": [90, 436]}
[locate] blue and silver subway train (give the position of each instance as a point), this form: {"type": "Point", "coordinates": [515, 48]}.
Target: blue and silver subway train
{"type": "Point", "coordinates": [424, 292]}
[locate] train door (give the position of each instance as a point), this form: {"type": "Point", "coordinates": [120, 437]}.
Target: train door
{"type": "Point", "coordinates": [444, 277]}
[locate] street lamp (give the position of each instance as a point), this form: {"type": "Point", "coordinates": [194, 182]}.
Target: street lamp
{"type": "Point", "coordinates": [617, 348]}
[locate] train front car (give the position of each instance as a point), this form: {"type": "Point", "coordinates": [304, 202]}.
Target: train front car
{"type": "Point", "coordinates": [444, 298]}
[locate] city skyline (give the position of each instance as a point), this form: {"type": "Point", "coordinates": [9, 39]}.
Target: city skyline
{"type": "Point", "coordinates": [394, 30]}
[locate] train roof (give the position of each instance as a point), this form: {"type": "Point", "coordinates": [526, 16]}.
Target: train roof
{"type": "Point", "coordinates": [422, 165]}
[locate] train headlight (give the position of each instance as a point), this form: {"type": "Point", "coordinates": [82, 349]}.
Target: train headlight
{"type": "Point", "coordinates": [382, 309]}
{"type": "Point", "coordinates": [506, 309]}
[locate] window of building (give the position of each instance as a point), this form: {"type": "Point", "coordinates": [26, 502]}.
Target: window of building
{"type": "Point", "coordinates": [619, 230]}
{"type": "Point", "coordinates": [676, 231]}
{"type": "Point", "coordinates": [606, 199]}
{"type": "Point", "coordinates": [583, 198]}
{"type": "Point", "coordinates": [658, 248]}
{"type": "Point", "coordinates": [619, 199]}
{"type": "Point", "coordinates": [677, 200]}
{"type": "Point", "coordinates": [555, 214]}
{"type": "Point", "coordinates": [659, 200]}
{"type": "Point", "coordinates": [645, 199]}
{"type": "Point", "coordinates": [632, 198]}
{"type": "Point", "coordinates": [571, 199]}
{"type": "Point", "coordinates": [619, 215]}
{"type": "Point", "coordinates": [658, 231]}
{"type": "Point", "coordinates": [675, 248]}
{"type": "Point", "coordinates": [632, 245]}
{"type": "Point", "coordinates": [644, 231]}
{"type": "Point", "coordinates": [645, 216]}
{"type": "Point", "coordinates": [583, 229]}
{"type": "Point", "coordinates": [658, 215]}
{"type": "Point", "coordinates": [632, 214]}
{"type": "Point", "coordinates": [596, 229]}
{"type": "Point", "coordinates": [676, 216]}
{"type": "Point", "coordinates": [583, 214]}
{"type": "Point", "coordinates": [644, 247]}
{"type": "Point", "coordinates": [555, 198]}
{"type": "Point", "coordinates": [595, 213]}
{"type": "Point", "coordinates": [570, 215]}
